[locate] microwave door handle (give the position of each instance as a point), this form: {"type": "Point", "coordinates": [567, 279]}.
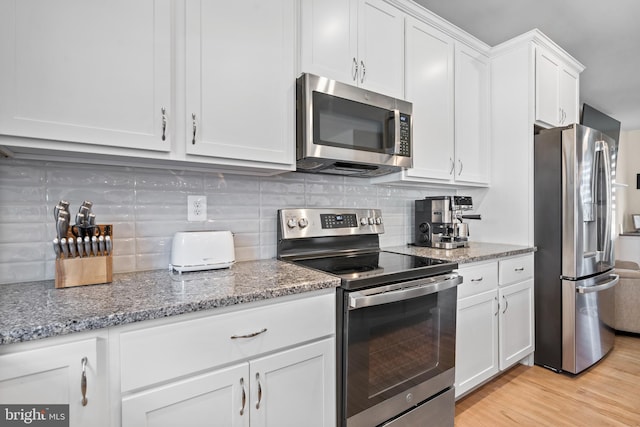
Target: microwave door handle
{"type": "Point", "coordinates": [393, 129]}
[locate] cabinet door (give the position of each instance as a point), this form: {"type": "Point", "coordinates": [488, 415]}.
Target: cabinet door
{"type": "Point", "coordinates": [53, 375]}
{"type": "Point", "coordinates": [568, 97]}
{"type": "Point", "coordinates": [547, 87]}
{"type": "Point", "coordinates": [516, 322]}
{"type": "Point", "coordinates": [472, 116]}
{"type": "Point", "coordinates": [87, 72]}
{"type": "Point", "coordinates": [381, 48]}
{"type": "Point", "coordinates": [219, 398]}
{"type": "Point", "coordinates": [476, 340]}
{"type": "Point", "coordinates": [429, 87]}
{"type": "Point", "coordinates": [240, 87]}
{"type": "Point", "coordinates": [295, 387]}
{"type": "Point", "coordinates": [329, 39]}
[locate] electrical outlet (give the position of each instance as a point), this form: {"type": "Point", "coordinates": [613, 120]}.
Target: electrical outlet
{"type": "Point", "coordinates": [196, 208]}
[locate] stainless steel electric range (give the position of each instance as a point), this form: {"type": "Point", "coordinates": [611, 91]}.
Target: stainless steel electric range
{"type": "Point", "coordinates": [396, 317]}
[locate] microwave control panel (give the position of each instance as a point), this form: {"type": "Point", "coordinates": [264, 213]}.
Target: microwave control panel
{"type": "Point", "coordinates": [405, 135]}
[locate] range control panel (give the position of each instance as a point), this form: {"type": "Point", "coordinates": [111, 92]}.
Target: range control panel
{"type": "Point", "coordinates": [312, 222]}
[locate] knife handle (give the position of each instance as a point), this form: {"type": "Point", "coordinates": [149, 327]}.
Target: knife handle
{"type": "Point", "coordinates": [94, 245]}
{"type": "Point", "coordinates": [80, 245]}
{"type": "Point", "coordinates": [65, 248]}
{"type": "Point", "coordinates": [87, 246]}
{"type": "Point", "coordinates": [56, 247]}
{"type": "Point", "coordinates": [72, 247]}
{"type": "Point", "coordinates": [101, 246]}
{"type": "Point", "coordinates": [108, 244]}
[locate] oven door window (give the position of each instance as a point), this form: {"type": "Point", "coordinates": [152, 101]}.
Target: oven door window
{"type": "Point", "coordinates": [394, 347]}
{"type": "Point", "coordinates": [340, 122]}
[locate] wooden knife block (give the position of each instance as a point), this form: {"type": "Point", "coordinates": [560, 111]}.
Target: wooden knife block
{"type": "Point", "coordinates": [85, 270]}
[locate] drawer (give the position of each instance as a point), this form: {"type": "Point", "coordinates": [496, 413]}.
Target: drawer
{"type": "Point", "coordinates": [515, 269]}
{"type": "Point", "coordinates": [478, 278]}
{"type": "Point", "coordinates": [168, 351]}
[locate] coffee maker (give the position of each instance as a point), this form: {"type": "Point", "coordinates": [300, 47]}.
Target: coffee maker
{"type": "Point", "coordinates": [439, 221]}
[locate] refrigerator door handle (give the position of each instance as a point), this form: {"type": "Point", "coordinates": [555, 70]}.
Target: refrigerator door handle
{"type": "Point", "coordinates": [598, 288]}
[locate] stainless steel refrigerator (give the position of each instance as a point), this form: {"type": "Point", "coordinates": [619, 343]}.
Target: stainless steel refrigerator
{"type": "Point", "coordinates": [574, 282]}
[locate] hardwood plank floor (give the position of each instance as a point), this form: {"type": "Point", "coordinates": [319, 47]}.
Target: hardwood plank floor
{"type": "Point", "coordinates": [607, 394]}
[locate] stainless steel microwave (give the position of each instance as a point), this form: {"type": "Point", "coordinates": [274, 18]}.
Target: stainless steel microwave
{"type": "Point", "coordinates": [346, 130]}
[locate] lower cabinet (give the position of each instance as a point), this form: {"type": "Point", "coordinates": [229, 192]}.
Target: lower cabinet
{"type": "Point", "coordinates": [270, 365]}
{"type": "Point", "coordinates": [495, 319]}
{"type": "Point", "coordinates": [34, 376]}
{"type": "Point", "coordinates": [289, 388]}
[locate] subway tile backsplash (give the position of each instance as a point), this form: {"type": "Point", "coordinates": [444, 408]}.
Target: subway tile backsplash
{"type": "Point", "coordinates": [147, 206]}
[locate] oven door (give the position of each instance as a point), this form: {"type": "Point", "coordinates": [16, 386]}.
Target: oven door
{"type": "Point", "coordinates": [398, 347]}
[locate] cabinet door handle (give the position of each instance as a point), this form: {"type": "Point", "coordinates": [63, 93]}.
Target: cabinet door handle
{"type": "Point", "coordinates": [244, 396]}
{"type": "Point", "coordinates": [259, 390]}
{"type": "Point", "coordinates": [453, 165]}
{"type": "Point", "coordinates": [83, 381]}
{"type": "Point", "coordinates": [354, 69]}
{"type": "Point", "coordinates": [519, 269]}
{"type": "Point", "coordinates": [193, 118]}
{"type": "Point", "coordinates": [164, 123]}
{"type": "Point", "coordinates": [251, 335]}
{"type": "Point", "coordinates": [497, 306]}
{"type": "Point", "coordinates": [364, 72]}
{"type": "Point", "coordinates": [478, 280]}
{"type": "Point", "coordinates": [460, 171]}
{"type": "Point", "coordinates": [506, 304]}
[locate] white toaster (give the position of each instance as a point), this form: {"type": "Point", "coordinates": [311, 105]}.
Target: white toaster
{"type": "Point", "coordinates": [202, 250]}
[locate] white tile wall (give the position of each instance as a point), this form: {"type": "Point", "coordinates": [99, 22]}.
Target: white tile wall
{"type": "Point", "coordinates": [147, 206]}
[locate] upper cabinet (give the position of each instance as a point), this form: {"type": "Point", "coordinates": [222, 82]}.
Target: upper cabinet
{"type": "Point", "coordinates": [190, 84]}
{"type": "Point", "coordinates": [557, 88]}
{"type": "Point", "coordinates": [240, 80]}
{"type": "Point", "coordinates": [86, 72]}
{"type": "Point", "coordinates": [472, 116]}
{"type": "Point", "coordinates": [447, 81]}
{"type": "Point", "coordinates": [430, 88]}
{"type": "Point", "coordinates": [358, 42]}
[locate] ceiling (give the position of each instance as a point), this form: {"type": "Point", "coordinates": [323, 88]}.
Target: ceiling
{"type": "Point", "coordinates": [603, 35]}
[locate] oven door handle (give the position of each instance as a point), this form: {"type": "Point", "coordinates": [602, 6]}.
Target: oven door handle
{"type": "Point", "coordinates": [413, 289]}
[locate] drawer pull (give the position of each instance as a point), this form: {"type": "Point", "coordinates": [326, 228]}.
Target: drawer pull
{"type": "Point", "coordinates": [519, 269]}
{"type": "Point", "coordinates": [478, 280]}
{"type": "Point", "coordinates": [254, 334]}
{"type": "Point", "coordinates": [83, 382]}
{"type": "Point", "coordinates": [259, 391]}
{"type": "Point", "coordinates": [244, 396]}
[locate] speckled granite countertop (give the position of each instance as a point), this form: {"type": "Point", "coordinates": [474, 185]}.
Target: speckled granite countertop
{"type": "Point", "coordinates": [476, 251]}
{"type": "Point", "coordinates": [35, 310]}
{"type": "Point", "coordinates": [30, 311]}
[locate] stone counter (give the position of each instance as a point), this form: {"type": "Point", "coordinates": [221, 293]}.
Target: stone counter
{"type": "Point", "coordinates": [476, 251]}
{"type": "Point", "coordinates": [35, 310]}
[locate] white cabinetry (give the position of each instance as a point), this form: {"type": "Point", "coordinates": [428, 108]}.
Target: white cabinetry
{"type": "Point", "coordinates": [188, 84]}
{"type": "Point", "coordinates": [495, 319]}
{"type": "Point", "coordinates": [359, 42]}
{"type": "Point", "coordinates": [472, 116]}
{"type": "Point", "coordinates": [270, 365]}
{"type": "Point", "coordinates": [513, 104]}
{"type": "Point", "coordinates": [51, 372]}
{"type": "Point", "coordinates": [240, 81]}
{"type": "Point", "coordinates": [477, 357]}
{"type": "Point", "coordinates": [447, 82]}
{"type": "Point", "coordinates": [69, 75]}
{"type": "Point", "coordinates": [557, 90]}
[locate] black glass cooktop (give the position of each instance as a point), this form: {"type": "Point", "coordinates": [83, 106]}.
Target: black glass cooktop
{"type": "Point", "coordinates": [374, 268]}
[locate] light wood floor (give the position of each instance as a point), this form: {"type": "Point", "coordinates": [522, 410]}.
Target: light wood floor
{"type": "Point", "coordinates": [607, 394]}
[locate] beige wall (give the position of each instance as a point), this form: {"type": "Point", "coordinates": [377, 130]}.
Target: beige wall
{"type": "Point", "coordinates": [627, 198]}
